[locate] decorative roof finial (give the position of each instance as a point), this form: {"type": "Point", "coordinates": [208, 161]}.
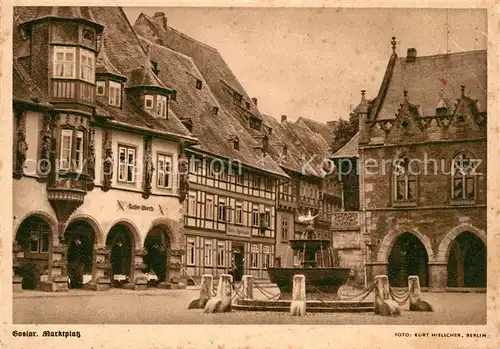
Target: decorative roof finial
{"type": "Point", "coordinates": [462, 87]}
{"type": "Point", "coordinates": [405, 92]}
{"type": "Point", "coordinates": [393, 43]}
{"type": "Point", "coordinates": [363, 92]}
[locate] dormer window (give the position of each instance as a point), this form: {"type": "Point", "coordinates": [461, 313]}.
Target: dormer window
{"type": "Point", "coordinates": [148, 101]}
{"type": "Point", "coordinates": [199, 84]}
{"type": "Point", "coordinates": [215, 110]}
{"type": "Point", "coordinates": [236, 144]}
{"type": "Point", "coordinates": [265, 143]}
{"type": "Point", "coordinates": [64, 62]}
{"type": "Point", "coordinates": [115, 93]}
{"type": "Point", "coordinates": [161, 106]}
{"type": "Point", "coordinates": [87, 69]}
{"type": "Point", "coordinates": [100, 88]}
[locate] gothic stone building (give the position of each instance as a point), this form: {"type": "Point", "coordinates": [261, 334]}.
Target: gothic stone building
{"type": "Point", "coordinates": [422, 150]}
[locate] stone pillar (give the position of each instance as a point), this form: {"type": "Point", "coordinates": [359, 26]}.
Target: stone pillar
{"type": "Point", "coordinates": [101, 264]}
{"type": "Point", "coordinates": [138, 281]}
{"type": "Point", "coordinates": [206, 287]}
{"type": "Point", "coordinates": [384, 305]}
{"type": "Point", "coordinates": [375, 268]}
{"type": "Point", "coordinates": [416, 301]}
{"type": "Point", "coordinates": [298, 304]}
{"type": "Point", "coordinates": [174, 264]}
{"type": "Point", "coordinates": [57, 273]}
{"type": "Point", "coordinates": [221, 303]}
{"type": "Point", "coordinates": [248, 286]}
{"type": "Point", "coordinates": [17, 260]}
{"type": "Point", "coordinates": [438, 276]}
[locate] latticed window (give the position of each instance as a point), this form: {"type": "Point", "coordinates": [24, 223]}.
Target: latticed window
{"type": "Point", "coordinates": [463, 182]}
{"type": "Point", "coordinates": [405, 180]}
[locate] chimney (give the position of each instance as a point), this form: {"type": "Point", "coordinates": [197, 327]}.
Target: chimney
{"type": "Point", "coordinates": [283, 118]}
{"type": "Point", "coordinates": [411, 55]}
{"type": "Point", "coordinates": [254, 100]}
{"type": "Point", "coordinates": [160, 18]}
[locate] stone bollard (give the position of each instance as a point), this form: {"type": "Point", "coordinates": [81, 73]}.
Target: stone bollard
{"type": "Point", "coordinates": [298, 305]}
{"type": "Point", "coordinates": [416, 301]}
{"type": "Point", "coordinates": [221, 303]}
{"type": "Point", "coordinates": [205, 293]}
{"type": "Point", "coordinates": [247, 286]}
{"type": "Point", "coordinates": [384, 305]}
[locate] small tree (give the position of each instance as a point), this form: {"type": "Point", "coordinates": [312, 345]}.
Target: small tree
{"type": "Point", "coordinates": [345, 130]}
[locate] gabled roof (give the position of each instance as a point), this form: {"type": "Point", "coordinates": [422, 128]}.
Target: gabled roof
{"type": "Point", "coordinates": [349, 150]}
{"type": "Point", "coordinates": [427, 77]}
{"type": "Point", "coordinates": [103, 65]}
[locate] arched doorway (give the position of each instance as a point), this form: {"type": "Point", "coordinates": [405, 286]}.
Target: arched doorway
{"type": "Point", "coordinates": [157, 246]}
{"type": "Point", "coordinates": [408, 257]}
{"type": "Point", "coordinates": [467, 261]}
{"type": "Point", "coordinates": [121, 243]}
{"type": "Point", "coordinates": [80, 239]}
{"type": "Point", "coordinates": [34, 236]}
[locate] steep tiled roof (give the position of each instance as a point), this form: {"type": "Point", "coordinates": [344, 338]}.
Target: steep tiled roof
{"type": "Point", "coordinates": [427, 77]}
{"type": "Point", "coordinates": [77, 13]}
{"type": "Point", "coordinates": [103, 65]}
{"type": "Point", "coordinates": [24, 89]}
{"type": "Point", "coordinates": [350, 149]}
{"type": "Point", "coordinates": [323, 129]}
{"type": "Point", "coordinates": [215, 132]}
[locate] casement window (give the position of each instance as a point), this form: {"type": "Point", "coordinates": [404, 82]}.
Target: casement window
{"type": "Point", "coordinates": [115, 93]}
{"type": "Point", "coordinates": [161, 106]}
{"type": "Point", "coordinates": [284, 229]}
{"type": "Point", "coordinates": [126, 171]}
{"type": "Point", "coordinates": [255, 216]}
{"type": "Point", "coordinates": [199, 84]}
{"type": "Point", "coordinates": [239, 212]}
{"type": "Point", "coordinates": [87, 68]}
{"type": "Point", "coordinates": [266, 254]}
{"type": "Point", "coordinates": [269, 184]}
{"type": "Point", "coordinates": [208, 253]}
{"type": "Point", "coordinates": [64, 62]}
{"type": "Point", "coordinates": [256, 182]}
{"type": "Point", "coordinates": [39, 238]}
{"type": "Point", "coordinates": [463, 182]}
{"type": "Point", "coordinates": [221, 212]}
{"type": "Point", "coordinates": [405, 181]}
{"type": "Point", "coordinates": [254, 256]}
{"type": "Point", "coordinates": [164, 171]}
{"type": "Point", "coordinates": [192, 204]}
{"type": "Point", "coordinates": [148, 101]}
{"type": "Point", "coordinates": [221, 254]}
{"type": "Point", "coordinates": [79, 151]}
{"type": "Point", "coordinates": [209, 207]}
{"type": "Point", "coordinates": [100, 88]}
{"type": "Point", "coordinates": [191, 253]}
{"type": "Point", "coordinates": [65, 149]}
{"type": "Point", "coordinates": [239, 178]}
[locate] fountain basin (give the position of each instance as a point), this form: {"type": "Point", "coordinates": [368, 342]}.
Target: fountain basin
{"type": "Point", "coordinates": [327, 280]}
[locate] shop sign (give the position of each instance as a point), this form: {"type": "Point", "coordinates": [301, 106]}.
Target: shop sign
{"type": "Point", "coordinates": [134, 207]}
{"type": "Point", "coordinates": [237, 230]}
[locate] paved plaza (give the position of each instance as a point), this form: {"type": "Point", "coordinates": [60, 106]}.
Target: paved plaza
{"type": "Point", "coordinates": [156, 306]}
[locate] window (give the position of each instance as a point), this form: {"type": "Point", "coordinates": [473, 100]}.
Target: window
{"type": "Point", "coordinates": [215, 110]}
{"type": "Point", "coordinates": [208, 253]}
{"type": "Point", "coordinates": [239, 212]}
{"type": "Point", "coordinates": [164, 171]}
{"type": "Point", "coordinates": [148, 101]}
{"type": "Point", "coordinates": [210, 207]}
{"type": "Point", "coordinates": [239, 178]}
{"type": "Point", "coordinates": [269, 184]}
{"type": "Point", "coordinates": [236, 144]}
{"type": "Point", "coordinates": [173, 95]}
{"type": "Point", "coordinates": [284, 229]}
{"type": "Point", "coordinates": [126, 172]}
{"type": "Point", "coordinates": [254, 256]}
{"type": "Point", "coordinates": [463, 183]}
{"type": "Point", "coordinates": [199, 84]}
{"type": "Point", "coordinates": [405, 181]}
{"type": "Point", "coordinates": [221, 216]}
{"type": "Point", "coordinates": [266, 261]}
{"type": "Point", "coordinates": [79, 151]}
{"type": "Point", "coordinates": [101, 86]}
{"type": "Point", "coordinates": [191, 256]}
{"type": "Point", "coordinates": [39, 238]}
{"type": "Point", "coordinates": [64, 62]}
{"type": "Point", "coordinates": [256, 182]}
{"type": "Point", "coordinates": [192, 204]}
{"type": "Point", "coordinates": [115, 93]}
{"type": "Point", "coordinates": [161, 106]}
{"type": "Point", "coordinates": [65, 151]}
{"type": "Point", "coordinates": [87, 72]}
{"type": "Point", "coordinates": [255, 216]}
{"type": "Point", "coordinates": [220, 254]}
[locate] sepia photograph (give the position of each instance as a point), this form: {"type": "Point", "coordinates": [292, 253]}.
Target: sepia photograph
{"type": "Point", "coordinates": [249, 166]}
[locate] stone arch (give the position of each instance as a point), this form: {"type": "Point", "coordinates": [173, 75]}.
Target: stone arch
{"type": "Point", "coordinates": [132, 228]}
{"type": "Point", "coordinates": [173, 229]}
{"type": "Point", "coordinates": [445, 244]}
{"type": "Point", "coordinates": [99, 235]}
{"type": "Point", "coordinates": [51, 221]}
{"type": "Point", "coordinates": [390, 238]}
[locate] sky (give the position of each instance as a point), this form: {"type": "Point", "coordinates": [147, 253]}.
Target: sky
{"type": "Point", "coordinates": [313, 62]}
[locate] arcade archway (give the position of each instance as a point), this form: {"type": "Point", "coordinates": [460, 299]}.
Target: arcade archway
{"type": "Point", "coordinates": [157, 246]}
{"type": "Point", "coordinates": [120, 241]}
{"type": "Point", "coordinates": [467, 261]}
{"type": "Point", "coordinates": [408, 257]}
{"type": "Point", "coordinates": [80, 238]}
